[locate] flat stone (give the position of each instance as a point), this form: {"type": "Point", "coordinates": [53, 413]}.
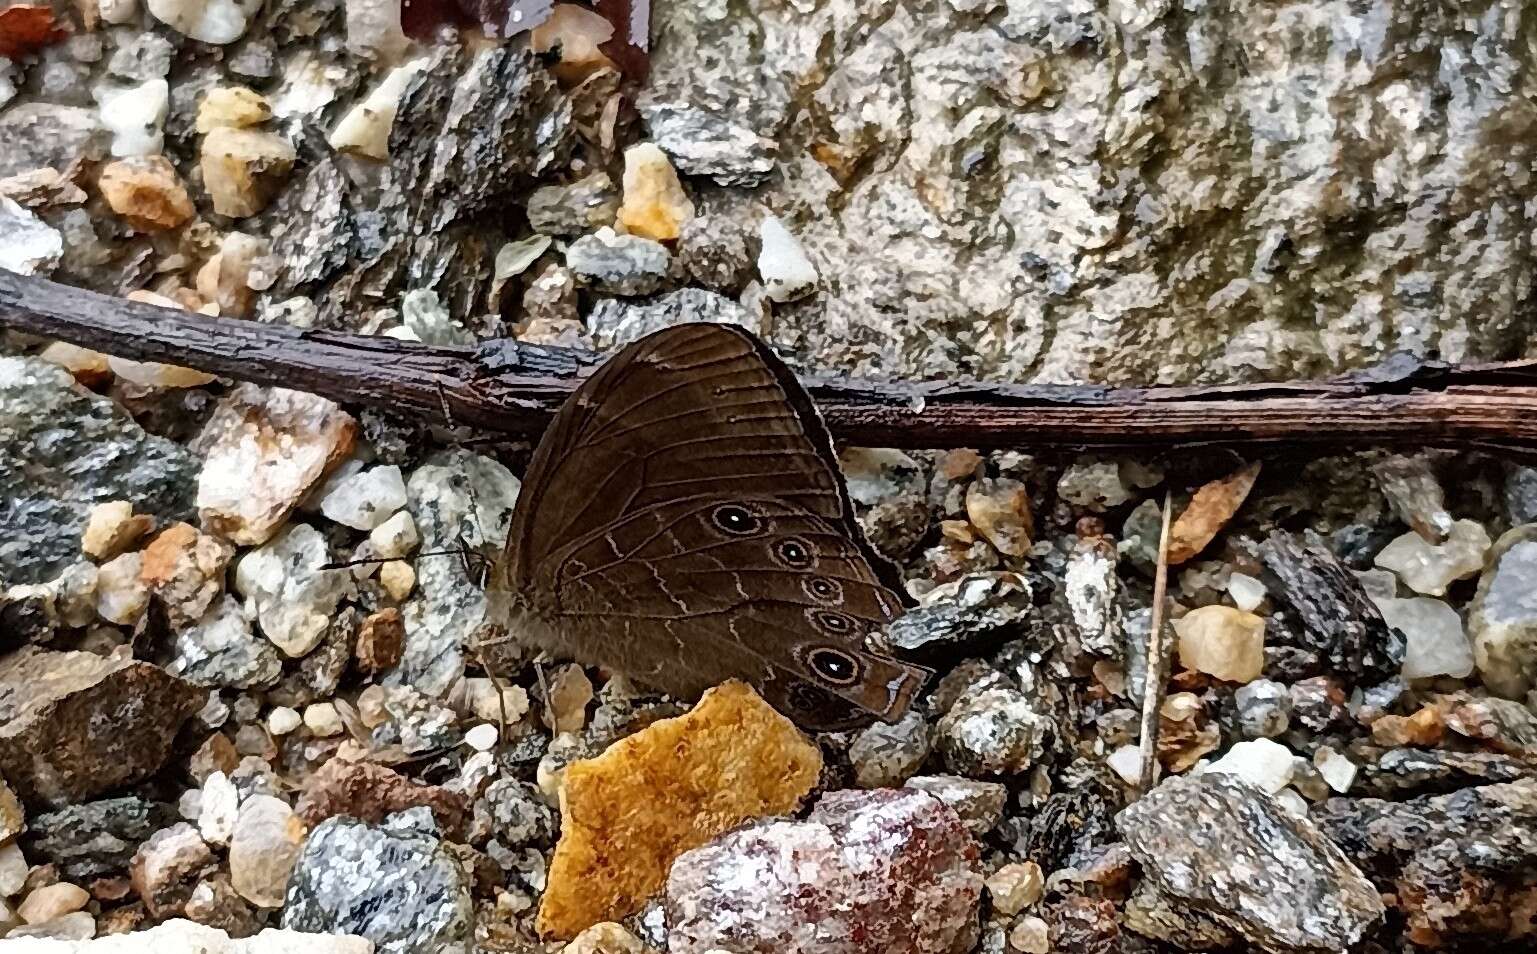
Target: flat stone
{"type": "Point", "coordinates": [396, 884]}
{"type": "Point", "coordinates": [97, 838]}
{"type": "Point", "coordinates": [265, 449]}
{"type": "Point", "coordinates": [74, 725]}
{"type": "Point", "coordinates": [28, 245]}
{"type": "Point", "coordinates": [628, 813]}
{"type": "Point", "coordinates": [1257, 871]}
{"type": "Point", "coordinates": [570, 210]}
{"type": "Point", "coordinates": [1502, 620]}
{"type": "Point", "coordinates": [980, 805]}
{"type": "Point", "coordinates": [615, 322]}
{"type": "Point", "coordinates": [879, 872]}
{"type": "Point", "coordinates": [703, 142]}
{"type": "Point", "coordinates": [372, 792]}
{"type": "Point", "coordinates": [1434, 641]}
{"type": "Point", "coordinates": [38, 135]}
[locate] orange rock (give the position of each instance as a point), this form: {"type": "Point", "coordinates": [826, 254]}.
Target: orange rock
{"type": "Point", "coordinates": [147, 192]}
{"type": "Point", "coordinates": [1426, 727]}
{"type": "Point", "coordinates": [1209, 511]}
{"type": "Point", "coordinates": [655, 205]}
{"type": "Point", "coordinates": [627, 814]}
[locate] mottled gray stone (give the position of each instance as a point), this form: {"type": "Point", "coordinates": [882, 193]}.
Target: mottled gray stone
{"type": "Point", "coordinates": [1460, 866]}
{"type": "Point", "coordinates": [886, 755]}
{"type": "Point", "coordinates": [459, 499]}
{"type": "Point", "coordinates": [1502, 620]}
{"type": "Point", "coordinates": [994, 732]}
{"type": "Point", "coordinates": [146, 56]}
{"type": "Point", "coordinates": [517, 814]}
{"type": "Point", "coordinates": [64, 449]}
{"type": "Point", "coordinates": [396, 884]}
{"type": "Point", "coordinates": [94, 838]}
{"type": "Point", "coordinates": [576, 209]}
{"type": "Point", "coordinates": [33, 135]}
{"type": "Point", "coordinates": [993, 200]}
{"type": "Point", "coordinates": [613, 322]}
{"type": "Point", "coordinates": [1221, 858]}
{"type": "Point", "coordinates": [618, 264]}
{"type": "Point", "coordinates": [220, 650]}
{"type": "Point", "coordinates": [707, 142]}
{"type": "Point", "coordinates": [980, 805]}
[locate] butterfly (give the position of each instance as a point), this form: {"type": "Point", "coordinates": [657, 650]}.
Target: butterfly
{"type": "Point", "coordinates": [683, 522]}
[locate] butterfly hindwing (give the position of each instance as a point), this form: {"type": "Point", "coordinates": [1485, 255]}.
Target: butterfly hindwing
{"type": "Point", "coordinates": [684, 520]}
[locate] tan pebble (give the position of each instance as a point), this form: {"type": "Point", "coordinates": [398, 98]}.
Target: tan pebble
{"type": "Point", "coordinates": [1015, 887]}
{"type": "Point", "coordinates": [233, 106]}
{"type": "Point", "coordinates": [1222, 641]}
{"type": "Point", "coordinates": [112, 528]}
{"type": "Point", "coordinates": [147, 192]}
{"type": "Point", "coordinates": [398, 579]}
{"type": "Point", "coordinates": [1030, 936]}
{"type": "Point", "coordinates": [244, 168]}
{"type": "Point", "coordinates": [52, 901]}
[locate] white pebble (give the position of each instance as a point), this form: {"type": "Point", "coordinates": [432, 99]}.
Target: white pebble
{"type": "Point", "coordinates": [1246, 591]}
{"type": "Point", "coordinates": [367, 499]}
{"type": "Point", "coordinates": [395, 537]}
{"type": "Point", "coordinates": [322, 719]}
{"type": "Point", "coordinates": [136, 117]}
{"type": "Point", "coordinates": [1293, 802]}
{"type": "Point", "coordinates": [1266, 765]}
{"type": "Point", "coordinates": [283, 720]}
{"type": "Point", "coordinates": [365, 129]}
{"type": "Point", "coordinates": [1126, 762]}
{"type": "Point", "coordinates": [482, 738]}
{"type": "Point", "coordinates": [1335, 768]}
{"type": "Point", "coordinates": [220, 807]}
{"type": "Point", "coordinates": [786, 271]}
{"type": "Point", "coordinates": [208, 21]}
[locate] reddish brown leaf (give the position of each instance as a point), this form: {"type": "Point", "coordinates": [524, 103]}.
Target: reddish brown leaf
{"type": "Point", "coordinates": [27, 28]}
{"type": "Point", "coordinates": [500, 19]}
{"type": "Point", "coordinates": [630, 48]}
{"type": "Point", "coordinates": [1209, 511]}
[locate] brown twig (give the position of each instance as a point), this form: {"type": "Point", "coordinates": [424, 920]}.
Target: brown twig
{"type": "Point", "coordinates": [1153, 678]}
{"type": "Point", "coordinates": [508, 388]}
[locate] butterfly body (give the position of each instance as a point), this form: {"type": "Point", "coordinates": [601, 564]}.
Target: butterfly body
{"type": "Point", "coordinates": [683, 522]}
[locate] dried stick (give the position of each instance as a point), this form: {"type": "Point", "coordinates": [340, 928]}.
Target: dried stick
{"type": "Point", "coordinates": [1153, 678]}
{"type": "Point", "coordinates": [508, 388]}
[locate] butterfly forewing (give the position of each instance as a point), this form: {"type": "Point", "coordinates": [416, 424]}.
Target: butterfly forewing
{"type": "Point", "coordinates": [683, 520]}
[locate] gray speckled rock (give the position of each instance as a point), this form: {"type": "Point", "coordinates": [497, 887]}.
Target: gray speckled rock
{"type": "Point", "coordinates": [94, 838]}
{"type": "Point", "coordinates": [1502, 622]}
{"type": "Point", "coordinates": [618, 264]}
{"type": "Point", "coordinates": [395, 884]}
{"type": "Point", "coordinates": [890, 871]}
{"type": "Point", "coordinates": [458, 499]}
{"type": "Point", "coordinates": [962, 166]}
{"type": "Point", "coordinates": [34, 135]}
{"type": "Point", "coordinates": [575, 209]}
{"type": "Point", "coordinates": [996, 731]}
{"type": "Point", "coordinates": [614, 322]}
{"type": "Point", "coordinates": [63, 449]}
{"type": "Point", "coordinates": [220, 650]}
{"type": "Point", "coordinates": [1221, 858]}
{"type": "Point", "coordinates": [707, 142]}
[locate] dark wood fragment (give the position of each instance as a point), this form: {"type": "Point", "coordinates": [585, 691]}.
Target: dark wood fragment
{"type": "Point", "coordinates": [508, 388]}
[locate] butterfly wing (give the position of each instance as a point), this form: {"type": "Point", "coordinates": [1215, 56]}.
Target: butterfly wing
{"type": "Point", "coordinates": [633, 515]}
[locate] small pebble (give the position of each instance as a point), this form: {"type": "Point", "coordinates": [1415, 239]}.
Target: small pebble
{"type": "Point", "coordinates": [1247, 592]}
{"type": "Point", "coordinates": [283, 720]}
{"type": "Point", "coordinates": [1267, 765]}
{"type": "Point", "coordinates": [398, 579]}
{"type": "Point", "coordinates": [1222, 641]}
{"type": "Point", "coordinates": [1030, 936]}
{"type": "Point", "coordinates": [322, 719]}
{"type": "Point", "coordinates": [52, 901]}
{"type": "Point", "coordinates": [1335, 768]}
{"type": "Point", "coordinates": [782, 264]}
{"type": "Point", "coordinates": [1015, 887]}
{"type": "Point", "coordinates": [482, 738]}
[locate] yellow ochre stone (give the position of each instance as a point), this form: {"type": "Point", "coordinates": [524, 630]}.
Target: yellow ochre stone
{"type": "Point", "coordinates": [655, 205]}
{"type": "Point", "coordinates": [627, 814]}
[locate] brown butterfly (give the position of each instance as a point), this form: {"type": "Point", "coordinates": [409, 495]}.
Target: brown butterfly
{"type": "Point", "coordinates": [683, 521]}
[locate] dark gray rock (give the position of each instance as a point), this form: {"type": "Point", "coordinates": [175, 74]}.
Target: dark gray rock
{"type": "Point", "coordinates": [63, 450]}
{"type": "Point", "coordinates": [1460, 866]}
{"type": "Point", "coordinates": [982, 613]}
{"type": "Point", "coordinates": [1398, 773]}
{"type": "Point", "coordinates": [396, 884]}
{"type": "Point", "coordinates": [719, 252]}
{"type": "Point", "coordinates": [96, 838]}
{"type": "Point", "coordinates": [1339, 621]}
{"type": "Point", "coordinates": [517, 814]}
{"type": "Point", "coordinates": [1223, 859]}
